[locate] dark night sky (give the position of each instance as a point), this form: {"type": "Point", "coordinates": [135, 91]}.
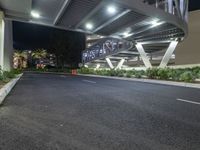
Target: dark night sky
{"type": "Point", "coordinates": [29, 36]}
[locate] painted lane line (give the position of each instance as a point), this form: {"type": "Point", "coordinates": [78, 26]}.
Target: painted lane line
{"type": "Point", "coordinates": [89, 81]}
{"type": "Point", "coordinates": [187, 101]}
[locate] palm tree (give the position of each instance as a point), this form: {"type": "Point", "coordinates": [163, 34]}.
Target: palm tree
{"type": "Point", "coordinates": [20, 58]}
{"type": "Point", "coordinates": [39, 55]}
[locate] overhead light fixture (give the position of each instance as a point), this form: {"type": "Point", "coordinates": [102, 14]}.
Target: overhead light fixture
{"type": "Point", "coordinates": [111, 9]}
{"type": "Point", "coordinates": [35, 14]}
{"type": "Point", "coordinates": [125, 34]}
{"type": "Point", "coordinates": [89, 26]}
{"type": "Point", "coordinates": [156, 23]}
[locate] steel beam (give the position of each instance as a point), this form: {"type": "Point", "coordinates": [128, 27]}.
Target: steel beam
{"type": "Point", "coordinates": [143, 55]}
{"type": "Point", "coordinates": [111, 20]}
{"type": "Point", "coordinates": [62, 10]}
{"type": "Point", "coordinates": [86, 18]}
{"type": "Point", "coordinates": [120, 64]}
{"type": "Point", "coordinates": [109, 63]}
{"type": "Point", "coordinates": [168, 54]}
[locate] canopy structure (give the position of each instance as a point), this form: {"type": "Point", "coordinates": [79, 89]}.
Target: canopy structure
{"type": "Point", "coordinates": [152, 24]}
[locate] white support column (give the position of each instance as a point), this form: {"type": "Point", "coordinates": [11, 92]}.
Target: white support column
{"type": "Point", "coordinates": [168, 54]}
{"type": "Point", "coordinates": [170, 6]}
{"type": "Point", "coordinates": [143, 55]}
{"type": "Point", "coordinates": [2, 28]}
{"type": "Point", "coordinates": [8, 46]}
{"type": "Point", "coordinates": [109, 63]}
{"type": "Point", "coordinates": [98, 66]}
{"type": "Point", "coordinates": [6, 43]}
{"type": "Point", "coordinates": [120, 64]}
{"type": "Point", "coordinates": [182, 5]}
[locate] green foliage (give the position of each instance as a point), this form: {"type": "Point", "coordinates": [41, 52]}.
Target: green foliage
{"type": "Point", "coordinates": [6, 76]}
{"type": "Point", "coordinates": [16, 71]}
{"type": "Point", "coordinates": [39, 54]}
{"type": "Point", "coordinates": [187, 77]}
{"type": "Point", "coordinates": [138, 74]}
{"type": "Point", "coordinates": [130, 73]}
{"type": "Point", "coordinates": [85, 70]}
{"type": "Point", "coordinates": [152, 73]}
{"type": "Point", "coordinates": [163, 74]}
{"type": "Point", "coordinates": [198, 74]}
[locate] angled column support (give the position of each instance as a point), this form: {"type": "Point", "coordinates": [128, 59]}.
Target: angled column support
{"type": "Point", "coordinates": [168, 54]}
{"type": "Point", "coordinates": [143, 55]}
{"type": "Point", "coordinates": [98, 66]}
{"type": "Point", "coordinates": [109, 63]}
{"type": "Point", "coordinates": [120, 64]}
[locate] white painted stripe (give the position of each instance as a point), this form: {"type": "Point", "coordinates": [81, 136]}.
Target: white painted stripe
{"type": "Point", "coordinates": [187, 101]}
{"type": "Point", "coordinates": [89, 81]}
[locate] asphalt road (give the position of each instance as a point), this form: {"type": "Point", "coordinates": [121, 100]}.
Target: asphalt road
{"type": "Point", "coordinates": [57, 112]}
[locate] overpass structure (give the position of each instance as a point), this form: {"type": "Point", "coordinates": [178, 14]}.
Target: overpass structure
{"type": "Point", "coordinates": [130, 27]}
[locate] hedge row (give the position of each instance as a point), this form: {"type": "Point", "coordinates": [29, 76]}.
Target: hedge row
{"type": "Point", "coordinates": [5, 76]}
{"type": "Point", "coordinates": [186, 75]}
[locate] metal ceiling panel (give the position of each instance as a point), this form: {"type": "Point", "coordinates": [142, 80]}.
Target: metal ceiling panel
{"type": "Point", "coordinates": [16, 9]}
{"type": "Point", "coordinates": [77, 10]}
{"type": "Point", "coordinates": [48, 9]}
{"type": "Point", "coordinates": [121, 22]}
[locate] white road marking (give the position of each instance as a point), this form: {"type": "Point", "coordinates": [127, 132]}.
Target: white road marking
{"type": "Point", "coordinates": [89, 81]}
{"type": "Point", "coordinates": [187, 101]}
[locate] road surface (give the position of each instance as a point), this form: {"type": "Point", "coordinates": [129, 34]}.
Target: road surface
{"type": "Point", "coordinates": [58, 112]}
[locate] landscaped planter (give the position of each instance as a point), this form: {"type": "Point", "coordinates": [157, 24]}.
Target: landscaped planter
{"type": "Point", "coordinates": [5, 90]}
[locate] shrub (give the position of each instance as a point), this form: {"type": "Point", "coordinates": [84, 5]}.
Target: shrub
{"type": "Point", "coordinates": [129, 73]}
{"type": "Point", "coordinates": [163, 74]}
{"type": "Point", "coordinates": [152, 73]}
{"type": "Point", "coordinates": [85, 70]}
{"type": "Point", "coordinates": [198, 74]}
{"type": "Point", "coordinates": [138, 74]}
{"type": "Point", "coordinates": [16, 71]}
{"type": "Point", "coordinates": [120, 73]}
{"type": "Point", "coordinates": [8, 74]}
{"type": "Point", "coordinates": [113, 73]}
{"type": "Point", "coordinates": [195, 70]}
{"type": "Point", "coordinates": [187, 77]}
{"type": "Point", "coordinates": [174, 74]}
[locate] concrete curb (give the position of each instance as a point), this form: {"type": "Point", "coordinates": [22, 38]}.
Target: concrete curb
{"type": "Point", "coordinates": [180, 84]}
{"type": "Point", "coordinates": [5, 90]}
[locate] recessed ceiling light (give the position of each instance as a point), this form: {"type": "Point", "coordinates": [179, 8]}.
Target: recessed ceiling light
{"type": "Point", "coordinates": [89, 26]}
{"type": "Point", "coordinates": [35, 14]}
{"type": "Point", "coordinates": [125, 34]}
{"type": "Point", "coordinates": [111, 9]}
{"type": "Point", "coordinates": [156, 23]}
